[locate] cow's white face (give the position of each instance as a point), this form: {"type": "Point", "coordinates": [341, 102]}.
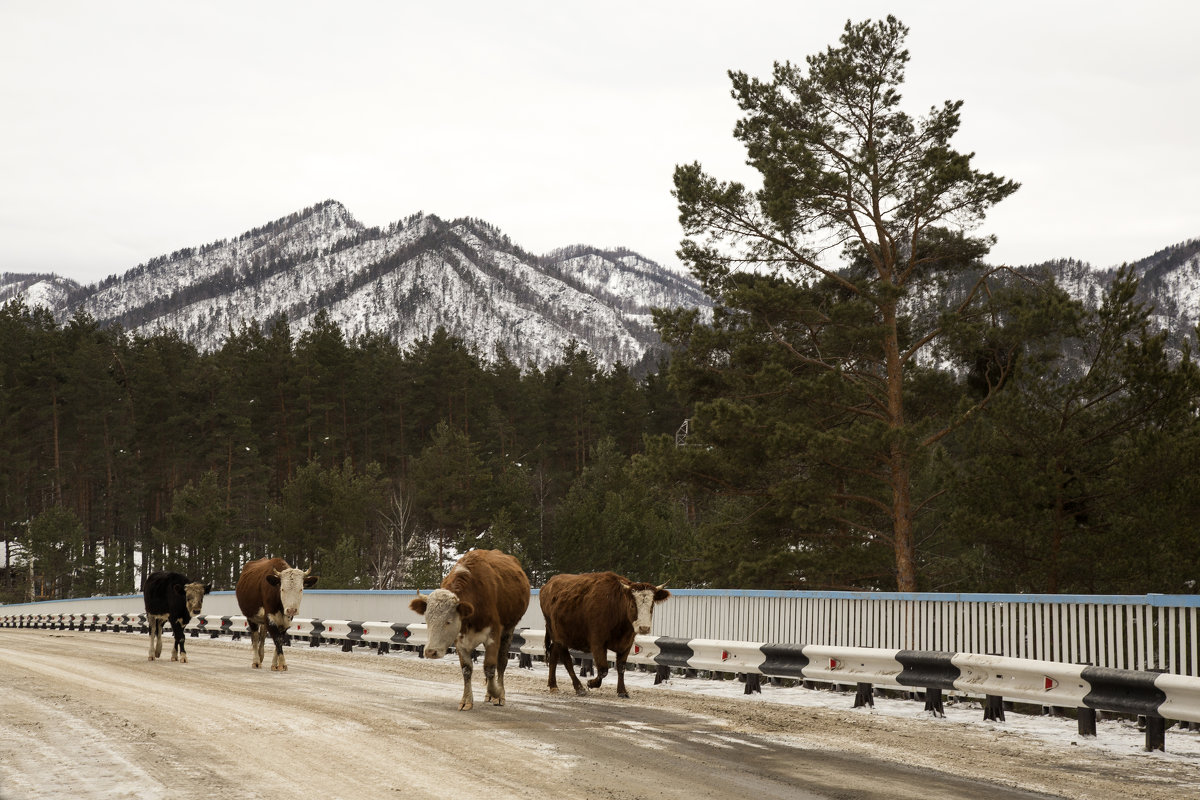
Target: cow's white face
{"type": "Point", "coordinates": [643, 606]}
{"type": "Point", "coordinates": [193, 594]}
{"type": "Point", "coordinates": [292, 582]}
{"type": "Point", "coordinates": [444, 614]}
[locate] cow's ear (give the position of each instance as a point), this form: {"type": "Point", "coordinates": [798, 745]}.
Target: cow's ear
{"type": "Point", "coordinates": [207, 588]}
{"type": "Point", "coordinates": [178, 587]}
{"type": "Point", "coordinates": [660, 595]}
{"type": "Point", "coordinates": [465, 609]}
{"type": "Point", "coordinates": [418, 605]}
{"type": "Point", "coordinates": [273, 580]}
{"type": "Point", "coordinates": [310, 581]}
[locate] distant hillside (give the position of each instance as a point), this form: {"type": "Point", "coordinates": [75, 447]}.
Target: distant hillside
{"type": "Point", "coordinates": [406, 280]}
{"type": "Point", "coordinates": [403, 281]}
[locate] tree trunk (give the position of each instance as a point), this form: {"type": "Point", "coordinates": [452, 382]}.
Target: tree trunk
{"type": "Point", "coordinates": [902, 522]}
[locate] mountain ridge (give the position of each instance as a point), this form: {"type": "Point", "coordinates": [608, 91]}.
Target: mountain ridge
{"type": "Point", "coordinates": [409, 278]}
{"type": "Point", "coordinates": [403, 281]}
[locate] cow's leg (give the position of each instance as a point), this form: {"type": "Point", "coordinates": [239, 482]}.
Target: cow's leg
{"type": "Point", "coordinates": [495, 660]}
{"type": "Point", "coordinates": [551, 661]}
{"type": "Point", "coordinates": [564, 655]}
{"type": "Point", "coordinates": [279, 663]}
{"type": "Point", "coordinates": [464, 663]}
{"type": "Point", "coordinates": [177, 651]}
{"type": "Point", "coordinates": [600, 659]}
{"type": "Point", "coordinates": [156, 627]}
{"type": "Point", "coordinates": [257, 636]}
{"type": "Point", "coordinates": [621, 659]}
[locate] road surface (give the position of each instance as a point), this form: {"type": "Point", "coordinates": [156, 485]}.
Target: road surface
{"type": "Point", "coordinates": [86, 715]}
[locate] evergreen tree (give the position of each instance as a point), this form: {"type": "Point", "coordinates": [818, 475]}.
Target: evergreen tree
{"type": "Point", "coordinates": [1082, 477]}
{"type": "Point", "coordinates": [846, 171]}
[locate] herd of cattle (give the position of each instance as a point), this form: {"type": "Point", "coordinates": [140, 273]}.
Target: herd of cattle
{"type": "Point", "coordinates": [480, 602]}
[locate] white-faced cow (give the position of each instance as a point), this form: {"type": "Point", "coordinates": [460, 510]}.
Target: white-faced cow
{"type": "Point", "coordinates": [171, 597]}
{"type": "Point", "coordinates": [268, 593]}
{"type": "Point", "coordinates": [595, 612]}
{"type": "Point", "coordinates": [480, 602]}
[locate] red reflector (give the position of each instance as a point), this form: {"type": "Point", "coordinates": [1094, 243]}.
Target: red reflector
{"type": "Point", "coordinates": [1050, 683]}
{"type": "Point", "coordinates": [724, 655]}
{"type": "Point", "coordinates": [637, 648]}
{"type": "Point", "coordinates": [834, 664]}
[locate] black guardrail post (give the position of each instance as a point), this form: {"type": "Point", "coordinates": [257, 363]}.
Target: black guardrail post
{"type": "Point", "coordinates": [932, 671]}
{"type": "Point", "coordinates": [1086, 718]}
{"type": "Point", "coordinates": [524, 660]}
{"type": "Point", "coordinates": [993, 708]}
{"type": "Point", "coordinates": [355, 635]}
{"type": "Point", "coordinates": [933, 702]}
{"type": "Point", "coordinates": [864, 696]}
{"type": "Point", "coordinates": [753, 684]}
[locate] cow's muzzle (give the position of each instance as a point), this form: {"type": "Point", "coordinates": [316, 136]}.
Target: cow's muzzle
{"type": "Point", "coordinates": [430, 653]}
{"type": "Point", "coordinates": [291, 612]}
{"type": "Point", "coordinates": [643, 630]}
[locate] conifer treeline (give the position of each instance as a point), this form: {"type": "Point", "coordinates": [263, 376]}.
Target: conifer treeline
{"type": "Point", "coordinates": [374, 464]}
{"type": "Point", "coordinates": [124, 454]}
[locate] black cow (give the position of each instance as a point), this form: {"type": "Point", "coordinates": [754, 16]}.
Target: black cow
{"type": "Point", "coordinates": [171, 597]}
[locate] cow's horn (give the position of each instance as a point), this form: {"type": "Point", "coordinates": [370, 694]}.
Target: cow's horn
{"type": "Point", "coordinates": [660, 587]}
{"type": "Point", "coordinates": [308, 572]}
{"type": "Point", "coordinates": [278, 574]}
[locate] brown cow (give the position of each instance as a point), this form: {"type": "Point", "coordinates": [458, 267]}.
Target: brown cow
{"type": "Point", "coordinates": [595, 612]}
{"type": "Point", "coordinates": [268, 593]}
{"type": "Point", "coordinates": [480, 602]}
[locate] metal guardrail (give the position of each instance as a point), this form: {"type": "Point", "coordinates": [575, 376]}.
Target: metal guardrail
{"type": "Point", "coordinates": [1136, 632]}
{"type": "Point", "coordinates": [1156, 696]}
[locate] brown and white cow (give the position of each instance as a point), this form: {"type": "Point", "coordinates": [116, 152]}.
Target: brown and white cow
{"type": "Point", "coordinates": [595, 612]}
{"type": "Point", "coordinates": [268, 593]}
{"type": "Point", "coordinates": [480, 602]}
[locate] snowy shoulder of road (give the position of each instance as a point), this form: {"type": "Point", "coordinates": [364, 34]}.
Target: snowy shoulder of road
{"type": "Point", "coordinates": [1116, 737]}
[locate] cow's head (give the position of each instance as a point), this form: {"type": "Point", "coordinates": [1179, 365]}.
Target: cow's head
{"type": "Point", "coordinates": [643, 598]}
{"type": "Point", "coordinates": [291, 582]}
{"type": "Point", "coordinates": [443, 613]}
{"type": "Point", "coordinates": [193, 595]}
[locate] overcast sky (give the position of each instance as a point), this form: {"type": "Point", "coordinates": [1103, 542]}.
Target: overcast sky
{"type": "Point", "coordinates": [131, 129]}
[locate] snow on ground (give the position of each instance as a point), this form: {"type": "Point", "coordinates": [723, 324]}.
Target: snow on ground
{"type": "Point", "coordinates": [1113, 736]}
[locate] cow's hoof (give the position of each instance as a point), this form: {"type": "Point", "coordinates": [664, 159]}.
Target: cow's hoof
{"type": "Point", "coordinates": [593, 684]}
{"type": "Point", "coordinates": [174, 657]}
{"type": "Point", "coordinates": [465, 706]}
{"type": "Point", "coordinates": [256, 666]}
{"type": "Point", "coordinates": [496, 701]}
{"type": "Point", "coordinates": [623, 694]}
{"type": "Point", "coordinates": [279, 669]}
{"type": "Point", "coordinates": [183, 659]}
{"type": "Point", "coordinates": [151, 658]}
{"type": "Point", "coordinates": [580, 691]}
{"type": "Point", "coordinates": [552, 689]}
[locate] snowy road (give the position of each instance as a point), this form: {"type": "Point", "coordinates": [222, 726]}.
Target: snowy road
{"type": "Point", "coordinates": [85, 715]}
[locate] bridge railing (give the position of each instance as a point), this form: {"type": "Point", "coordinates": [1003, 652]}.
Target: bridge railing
{"type": "Point", "coordinates": [1139, 632]}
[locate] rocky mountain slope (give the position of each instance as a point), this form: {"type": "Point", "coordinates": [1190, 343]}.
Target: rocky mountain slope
{"type": "Point", "coordinates": [406, 280]}
{"type": "Point", "coordinates": [403, 282]}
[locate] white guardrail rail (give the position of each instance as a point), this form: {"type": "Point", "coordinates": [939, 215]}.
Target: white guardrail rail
{"type": "Point", "coordinates": [1154, 696]}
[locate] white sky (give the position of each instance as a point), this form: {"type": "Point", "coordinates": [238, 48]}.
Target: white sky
{"type": "Point", "coordinates": [131, 129]}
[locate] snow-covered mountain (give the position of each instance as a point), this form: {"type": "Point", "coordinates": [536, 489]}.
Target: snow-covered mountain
{"type": "Point", "coordinates": [406, 280]}
{"type": "Point", "coordinates": [403, 282]}
{"type": "Point", "coordinates": [1169, 282]}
